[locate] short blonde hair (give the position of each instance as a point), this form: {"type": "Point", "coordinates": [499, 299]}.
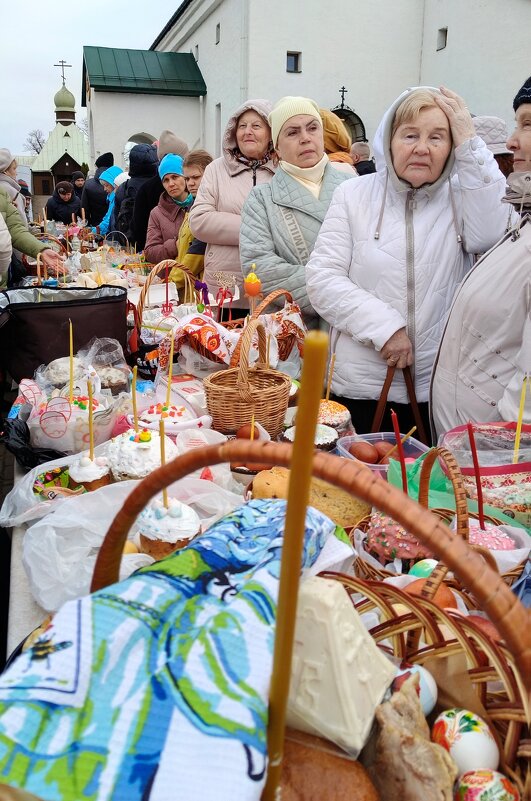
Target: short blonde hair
{"type": "Point", "coordinates": [410, 108]}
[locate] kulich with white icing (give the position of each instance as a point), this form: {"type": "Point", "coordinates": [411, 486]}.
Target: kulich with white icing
{"type": "Point", "coordinates": [177, 522]}
{"type": "Point", "coordinates": [58, 371]}
{"type": "Point", "coordinates": [325, 436]}
{"type": "Point", "coordinates": [136, 454]}
{"type": "Point", "coordinates": [164, 411]}
{"type": "Point", "coordinates": [86, 469]}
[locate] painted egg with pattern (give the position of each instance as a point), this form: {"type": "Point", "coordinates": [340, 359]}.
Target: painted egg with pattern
{"type": "Point", "coordinates": [467, 738]}
{"type": "Point", "coordinates": [485, 785]}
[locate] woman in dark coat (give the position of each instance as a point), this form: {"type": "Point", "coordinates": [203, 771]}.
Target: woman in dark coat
{"type": "Point", "coordinates": [63, 203]}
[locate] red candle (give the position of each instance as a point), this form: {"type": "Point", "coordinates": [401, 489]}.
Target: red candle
{"type": "Point", "coordinates": [477, 476]}
{"type": "Point", "coordinates": [400, 450]}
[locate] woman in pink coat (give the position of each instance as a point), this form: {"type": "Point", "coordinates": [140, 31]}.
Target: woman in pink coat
{"type": "Point", "coordinates": [167, 217]}
{"type": "Point", "coordinates": [216, 215]}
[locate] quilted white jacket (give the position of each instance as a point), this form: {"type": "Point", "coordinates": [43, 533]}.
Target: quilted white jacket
{"type": "Point", "coordinates": [390, 256]}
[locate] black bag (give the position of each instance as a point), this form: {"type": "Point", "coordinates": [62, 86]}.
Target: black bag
{"type": "Point", "coordinates": [34, 327]}
{"type": "Point", "coordinates": [125, 215]}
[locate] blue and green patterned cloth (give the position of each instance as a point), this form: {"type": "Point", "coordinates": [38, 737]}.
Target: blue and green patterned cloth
{"type": "Point", "coordinates": [157, 687]}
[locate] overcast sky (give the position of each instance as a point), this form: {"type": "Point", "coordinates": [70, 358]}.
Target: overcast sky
{"type": "Point", "coordinates": [37, 35]}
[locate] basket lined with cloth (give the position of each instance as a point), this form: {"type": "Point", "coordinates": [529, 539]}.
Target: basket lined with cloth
{"type": "Point", "coordinates": [166, 729]}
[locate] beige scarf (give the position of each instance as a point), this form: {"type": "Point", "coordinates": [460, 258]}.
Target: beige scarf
{"type": "Point", "coordinates": [310, 177]}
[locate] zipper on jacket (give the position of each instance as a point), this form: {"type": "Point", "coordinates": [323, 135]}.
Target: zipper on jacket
{"type": "Point", "coordinates": [411, 205]}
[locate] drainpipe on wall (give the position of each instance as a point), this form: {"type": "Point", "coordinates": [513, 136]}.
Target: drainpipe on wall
{"type": "Point", "coordinates": [244, 52]}
{"type": "Point", "coordinates": [201, 121]}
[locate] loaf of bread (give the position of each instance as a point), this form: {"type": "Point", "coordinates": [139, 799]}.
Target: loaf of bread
{"type": "Point", "coordinates": [315, 770]}
{"type": "Point", "coordinates": [342, 508]}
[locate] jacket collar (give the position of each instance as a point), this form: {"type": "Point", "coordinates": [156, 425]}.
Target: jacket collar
{"type": "Point", "coordinates": [286, 191]}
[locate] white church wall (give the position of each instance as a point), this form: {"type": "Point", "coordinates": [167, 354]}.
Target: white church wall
{"type": "Point", "coordinates": [220, 63]}
{"type": "Point", "coordinates": [487, 55]}
{"type": "Point", "coordinates": [118, 117]}
{"type": "Point", "coordinates": [373, 59]}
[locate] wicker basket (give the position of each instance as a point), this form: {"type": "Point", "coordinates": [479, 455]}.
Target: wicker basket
{"type": "Point", "coordinates": [285, 342]}
{"type": "Point", "coordinates": [365, 570]}
{"type": "Point", "coordinates": [234, 395]}
{"type": "Point", "coordinates": [499, 673]}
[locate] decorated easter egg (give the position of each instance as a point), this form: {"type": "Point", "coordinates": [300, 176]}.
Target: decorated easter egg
{"type": "Point", "coordinates": [424, 568]}
{"type": "Point", "coordinates": [427, 685]}
{"type": "Point", "coordinates": [490, 785]}
{"type": "Point", "coordinates": [468, 740]}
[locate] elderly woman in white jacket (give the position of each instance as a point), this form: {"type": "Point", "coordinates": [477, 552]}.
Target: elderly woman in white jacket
{"type": "Point", "coordinates": [395, 245]}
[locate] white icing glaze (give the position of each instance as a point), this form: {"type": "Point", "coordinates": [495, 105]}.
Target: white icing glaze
{"type": "Point", "coordinates": [129, 459]}
{"type": "Point", "coordinates": [324, 435]}
{"type": "Point", "coordinates": [58, 371]}
{"type": "Point", "coordinates": [170, 414]}
{"type": "Point", "coordinates": [85, 469]}
{"type": "Point", "coordinates": [111, 376]}
{"type": "Point", "coordinates": [178, 522]}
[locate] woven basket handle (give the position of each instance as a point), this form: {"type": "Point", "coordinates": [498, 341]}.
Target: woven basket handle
{"type": "Point", "coordinates": [380, 408]}
{"type": "Point", "coordinates": [169, 263]}
{"type": "Point", "coordinates": [494, 596]}
{"type": "Point", "coordinates": [260, 309]}
{"type": "Point", "coordinates": [274, 295]}
{"type": "Point", "coordinates": [246, 340]}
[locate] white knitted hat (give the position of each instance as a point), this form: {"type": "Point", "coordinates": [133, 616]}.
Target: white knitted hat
{"type": "Point", "coordinates": [288, 107]}
{"type": "Point", "coordinates": [493, 131]}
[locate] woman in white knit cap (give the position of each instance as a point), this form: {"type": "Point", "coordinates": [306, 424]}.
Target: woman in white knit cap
{"type": "Point", "coordinates": [281, 219]}
{"type": "Point", "coordinates": [8, 180]}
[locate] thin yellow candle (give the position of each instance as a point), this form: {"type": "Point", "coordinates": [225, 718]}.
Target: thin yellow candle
{"type": "Point", "coordinates": [252, 427]}
{"type": "Point", "coordinates": [83, 214]}
{"type": "Point", "coordinates": [163, 460]}
{"type": "Point", "coordinates": [313, 372]}
{"type": "Point", "coordinates": [133, 398]}
{"type": "Point", "coordinates": [91, 421]}
{"type": "Point", "coordinates": [71, 364]}
{"type": "Point", "coordinates": [330, 374]}
{"type": "Point", "coordinates": [520, 420]}
{"type": "Point", "coordinates": [170, 370]}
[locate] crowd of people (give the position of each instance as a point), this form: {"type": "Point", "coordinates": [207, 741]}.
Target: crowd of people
{"type": "Point", "coordinates": [385, 252]}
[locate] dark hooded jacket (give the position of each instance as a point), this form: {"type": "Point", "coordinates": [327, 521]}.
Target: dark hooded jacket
{"type": "Point", "coordinates": [94, 199]}
{"type": "Point", "coordinates": [143, 163]}
{"type": "Point", "coordinates": [61, 211]}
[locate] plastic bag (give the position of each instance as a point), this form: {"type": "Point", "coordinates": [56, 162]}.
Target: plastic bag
{"type": "Point", "coordinates": [22, 504]}
{"type": "Point", "coordinates": [16, 438]}
{"type": "Point", "coordinates": [219, 474]}
{"type": "Point", "coordinates": [59, 553]}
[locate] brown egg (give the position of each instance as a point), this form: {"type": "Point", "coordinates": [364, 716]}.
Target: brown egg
{"type": "Point", "coordinates": [383, 447]}
{"type": "Point", "coordinates": [244, 432]}
{"type": "Point", "coordinates": [488, 628]}
{"type": "Point", "coordinates": [443, 598]}
{"type": "Point", "coordinates": [364, 451]}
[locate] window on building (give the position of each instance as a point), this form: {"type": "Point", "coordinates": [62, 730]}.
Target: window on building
{"type": "Point", "coordinates": [293, 62]}
{"type": "Point", "coordinates": [196, 52]}
{"type": "Point", "coordinates": [218, 33]}
{"type": "Point", "coordinates": [442, 38]}
{"type": "Point", "coordinates": [45, 187]}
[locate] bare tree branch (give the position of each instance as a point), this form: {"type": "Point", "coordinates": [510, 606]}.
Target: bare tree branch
{"type": "Point", "coordinates": [35, 141]}
{"type": "Point", "coordinates": [83, 126]}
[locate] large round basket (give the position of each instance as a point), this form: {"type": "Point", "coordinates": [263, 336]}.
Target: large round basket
{"type": "Point", "coordinates": [234, 395]}
{"type": "Point", "coordinates": [498, 674]}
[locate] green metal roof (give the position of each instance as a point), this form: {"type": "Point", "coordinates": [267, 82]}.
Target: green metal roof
{"type": "Point", "coordinates": [110, 69]}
